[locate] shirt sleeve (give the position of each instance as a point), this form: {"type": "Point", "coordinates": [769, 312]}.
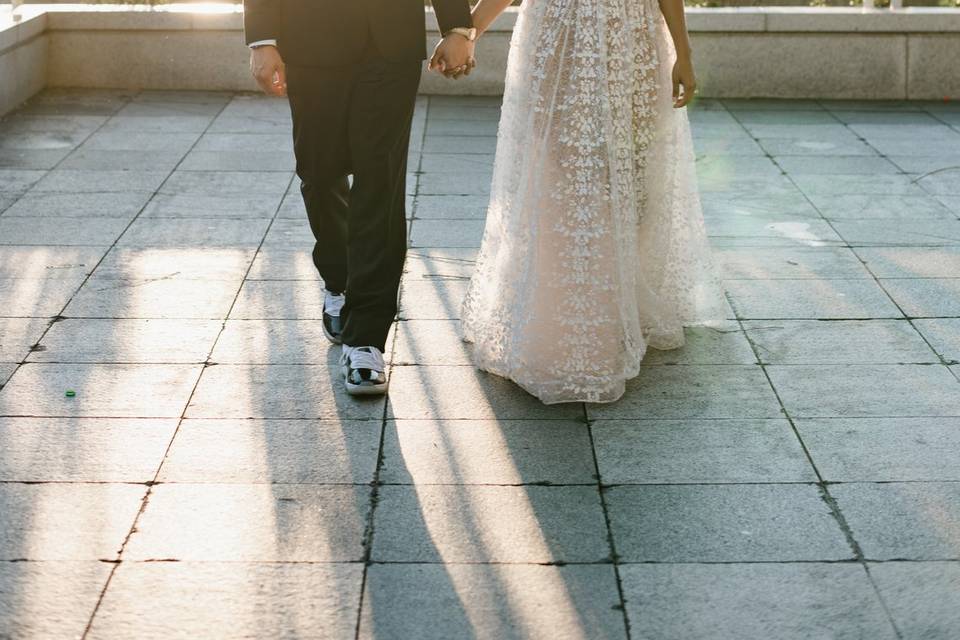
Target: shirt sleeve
{"type": "Point", "coordinates": [261, 43]}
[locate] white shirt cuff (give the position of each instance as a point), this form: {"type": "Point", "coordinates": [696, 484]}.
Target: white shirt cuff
{"type": "Point", "coordinates": [260, 43]}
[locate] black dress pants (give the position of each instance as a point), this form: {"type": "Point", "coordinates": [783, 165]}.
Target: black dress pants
{"type": "Point", "coordinates": [356, 121]}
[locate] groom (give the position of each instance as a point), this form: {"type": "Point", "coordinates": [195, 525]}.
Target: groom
{"type": "Point", "coordinates": [351, 70]}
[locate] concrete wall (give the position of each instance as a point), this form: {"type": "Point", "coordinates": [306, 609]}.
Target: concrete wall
{"type": "Point", "coordinates": [23, 60]}
{"type": "Point", "coordinates": [777, 52]}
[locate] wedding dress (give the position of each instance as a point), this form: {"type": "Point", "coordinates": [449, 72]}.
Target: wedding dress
{"type": "Point", "coordinates": [594, 247]}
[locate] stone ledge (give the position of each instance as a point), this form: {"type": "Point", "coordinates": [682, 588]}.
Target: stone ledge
{"type": "Point", "coordinates": [741, 52]}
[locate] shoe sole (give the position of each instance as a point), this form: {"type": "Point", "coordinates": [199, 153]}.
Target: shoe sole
{"type": "Point", "coordinates": [362, 389]}
{"type": "Point", "coordinates": [332, 338]}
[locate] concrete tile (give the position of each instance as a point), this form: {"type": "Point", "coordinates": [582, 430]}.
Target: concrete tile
{"type": "Point", "coordinates": [434, 299]}
{"type": "Point", "coordinates": [175, 600]}
{"type": "Point", "coordinates": [66, 521]}
{"type": "Point", "coordinates": [792, 229]}
{"type": "Point", "coordinates": [830, 165]}
{"type": "Point", "coordinates": [912, 262]}
{"type": "Point", "coordinates": [724, 523]}
{"type": "Point", "coordinates": [49, 231]}
{"type": "Point", "coordinates": [430, 342]}
{"type": "Point", "coordinates": [923, 597]}
{"type": "Point", "coordinates": [82, 449]}
{"type": "Point", "coordinates": [244, 206]}
{"type": "Point", "coordinates": [726, 145]}
{"type": "Point", "coordinates": [456, 163]}
{"type": "Point", "coordinates": [858, 184]}
{"type": "Point", "coordinates": [278, 391]}
{"type": "Point", "coordinates": [838, 342]}
{"type": "Point", "coordinates": [927, 164]}
{"type": "Point", "coordinates": [161, 297]}
{"type": "Point", "coordinates": [900, 232]}
{"type": "Point", "coordinates": [284, 264]}
{"type": "Point", "coordinates": [102, 160]}
{"type": "Point", "coordinates": [279, 299]}
{"type": "Point", "coordinates": [484, 524]}
{"type": "Point", "coordinates": [252, 523]}
{"type": "Point", "coordinates": [274, 342]}
{"type": "Point", "coordinates": [440, 233]}
{"type": "Point", "coordinates": [161, 263]}
{"type": "Point", "coordinates": [883, 449]}
{"type": "Point", "coordinates": [753, 601]}
{"type": "Point", "coordinates": [42, 140]}
{"type": "Point", "coordinates": [292, 206]}
{"type": "Point", "coordinates": [194, 232]}
{"type": "Point", "coordinates": [156, 124]}
{"type": "Point", "coordinates": [707, 345]}
{"type": "Point", "coordinates": [102, 390]}
{"type": "Point", "coordinates": [31, 158]}
{"type": "Point", "coordinates": [891, 390]}
{"type": "Point", "coordinates": [91, 181]}
{"type": "Point", "coordinates": [34, 297]}
{"type": "Point", "coordinates": [906, 145]}
{"type": "Point", "coordinates": [222, 183]}
{"type": "Point", "coordinates": [163, 109]}
{"type": "Point", "coordinates": [439, 264]}
{"type": "Point", "coordinates": [903, 521]}
{"type": "Point", "coordinates": [101, 340]}
{"type": "Point", "coordinates": [80, 205]}
{"type": "Point", "coordinates": [925, 296]}
{"type": "Point", "coordinates": [152, 142]}
{"type": "Point", "coordinates": [468, 145]}
{"type": "Point", "coordinates": [290, 233]}
{"type": "Point", "coordinates": [451, 207]}
{"type": "Point", "coordinates": [798, 145]}
{"type": "Point", "coordinates": [501, 602]}
{"type": "Point", "coordinates": [758, 263]}
{"type": "Point", "coordinates": [415, 393]}
{"type": "Point", "coordinates": [49, 600]}
{"type": "Point", "coordinates": [879, 207]}
{"type": "Point", "coordinates": [694, 391]}
{"type": "Point", "coordinates": [699, 451]}
{"type": "Point", "coordinates": [196, 160]}
{"type": "Point", "coordinates": [18, 335]}
{"type": "Point", "coordinates": [6, 371]}
{"type": "Point", "coordinates": [18, 180]}
{"type": "Point", "coordinates": [515, 452]}
{"type": "Point", "coordinates": [943, 334]}
{"type": "Point", "coordinates": [809, 299]}
{"type": "Point", "coordinates": [455, 184]}
{"type": "Point", "coordinates": [274, 451]}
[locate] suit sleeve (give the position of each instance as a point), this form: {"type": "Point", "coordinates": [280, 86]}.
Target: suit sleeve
{"type": "Point", "coordinates": [452, 14]}
{"type": "Point", "coordinates": [261, 20]}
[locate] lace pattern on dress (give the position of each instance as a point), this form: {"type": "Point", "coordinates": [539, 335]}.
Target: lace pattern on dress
{"type": "Point", "coordinates": [594, 246]}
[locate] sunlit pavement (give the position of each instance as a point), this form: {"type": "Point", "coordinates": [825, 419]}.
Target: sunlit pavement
{"type": "Point", "coordinates": [794, 475]}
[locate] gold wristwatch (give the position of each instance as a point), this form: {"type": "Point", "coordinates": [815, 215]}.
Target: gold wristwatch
{"type": "Point", "coordinates": [468, 33]}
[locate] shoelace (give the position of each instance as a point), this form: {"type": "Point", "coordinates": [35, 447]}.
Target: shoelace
{"type": "Point", "coordinates": [366, 358]}
{"type": "Point", "coordinates": [332, 304]}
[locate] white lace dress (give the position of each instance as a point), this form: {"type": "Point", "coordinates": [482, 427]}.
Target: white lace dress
{"type": "Point", "coordinates": [594, 247]}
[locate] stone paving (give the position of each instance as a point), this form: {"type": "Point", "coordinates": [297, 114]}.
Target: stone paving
{"type": "Point", "coordinates": [794, 475]}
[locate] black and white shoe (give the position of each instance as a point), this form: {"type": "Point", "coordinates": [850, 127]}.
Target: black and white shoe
{"type": "Point", "coordinates": [363, 371]}
{"type": "Point", "coordinates": [332, 325]}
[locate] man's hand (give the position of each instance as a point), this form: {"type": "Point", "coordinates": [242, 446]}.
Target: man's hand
{"type": "Point", "coordinates": [268, 69]}
{"type": "Point", "coordinates": [453, 57]}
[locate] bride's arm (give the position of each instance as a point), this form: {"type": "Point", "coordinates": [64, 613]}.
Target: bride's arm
{"type": "Point", "coordinates": [673, 15]}
{"type": "Point", "coordinates": [487, 11]}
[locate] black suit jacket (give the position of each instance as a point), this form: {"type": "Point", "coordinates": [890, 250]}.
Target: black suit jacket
{"type": "Point", "coordinates": [336, 32]}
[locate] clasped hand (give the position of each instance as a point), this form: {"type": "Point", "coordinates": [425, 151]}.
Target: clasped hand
{"type": "Point", "coordinates": [453, 57]}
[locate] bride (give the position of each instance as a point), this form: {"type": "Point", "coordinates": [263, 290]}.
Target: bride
{"type": "Point", "coordinates": [594, 247]}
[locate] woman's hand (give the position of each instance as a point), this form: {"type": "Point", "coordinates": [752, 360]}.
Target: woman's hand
{"type": "Point", "coordinates": [683, 77]}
